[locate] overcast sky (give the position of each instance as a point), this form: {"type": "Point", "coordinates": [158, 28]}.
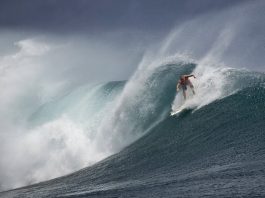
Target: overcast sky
{"type": "Point", "coordinates": [97, 16]}
{"type": "Point", "coordinates": [112, 36]}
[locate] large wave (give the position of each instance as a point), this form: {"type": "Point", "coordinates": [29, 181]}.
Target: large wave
{"type": "Point", "coordinates": [221, 139]}
{"type": "Point", "coordinates": [80, 126]}
{"type": "Point", "coordinates": [52, 129]}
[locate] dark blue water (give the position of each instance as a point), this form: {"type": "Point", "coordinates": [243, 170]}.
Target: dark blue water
{"type": "Point", "coordinates": [215, 151]}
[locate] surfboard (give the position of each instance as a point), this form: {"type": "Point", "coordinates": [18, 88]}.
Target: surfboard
{"type": "Point", "coordinates": [178, 110]}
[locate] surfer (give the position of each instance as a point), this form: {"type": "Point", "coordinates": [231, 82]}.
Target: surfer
{"type": "Point", "coordinates": [183, 83]}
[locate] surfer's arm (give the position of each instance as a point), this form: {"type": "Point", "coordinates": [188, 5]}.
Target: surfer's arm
{"type": "Point", "coordinates": [191, 76]}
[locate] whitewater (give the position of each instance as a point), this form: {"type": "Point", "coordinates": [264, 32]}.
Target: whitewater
{"type": "Point", "coordinates": [117, 138]}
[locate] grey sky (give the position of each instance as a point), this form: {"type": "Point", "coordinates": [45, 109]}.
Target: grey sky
{"type": "Point", "coordinates": [95, 16]}
{"type": "Point", "coordinates": [119, 32]}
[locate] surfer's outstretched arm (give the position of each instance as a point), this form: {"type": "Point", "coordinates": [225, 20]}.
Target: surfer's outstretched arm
{"type": "Point", "coordinates": [191, 76]}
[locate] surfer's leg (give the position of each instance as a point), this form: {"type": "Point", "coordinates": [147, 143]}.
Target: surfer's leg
{"type": "Point", "coordinates": [184, 94]}
{"type": "Point", "coordinates": [184, 88]}
{"type": "Point", "coordinates": [192, 88]}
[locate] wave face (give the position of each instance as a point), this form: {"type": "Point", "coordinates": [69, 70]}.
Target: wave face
{"type": "Point", "coordinates": [214, 148]}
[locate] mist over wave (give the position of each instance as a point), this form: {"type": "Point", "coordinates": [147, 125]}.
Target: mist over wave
{"type": "Point", "coordinates": [54, 128]}
{"type": "Point", "coordinates": [48, 119]}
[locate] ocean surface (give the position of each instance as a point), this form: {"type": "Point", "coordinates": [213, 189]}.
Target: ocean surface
{"type": "Point", "coordinates": [214, 148]}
